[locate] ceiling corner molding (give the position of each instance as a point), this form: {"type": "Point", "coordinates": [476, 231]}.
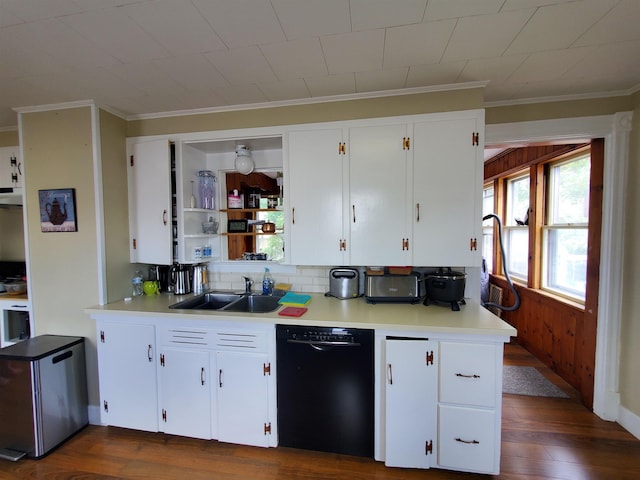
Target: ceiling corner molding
{"type": "Point", "coordinates": [55, 106]}
{"type": "Point", "coordinates": [560, 98]}
{"type": "Point", "coordinates": [310, 101]}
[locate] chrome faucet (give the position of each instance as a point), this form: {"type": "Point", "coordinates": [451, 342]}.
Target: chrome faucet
{"type": "Point", "coordinates": [248, 283]}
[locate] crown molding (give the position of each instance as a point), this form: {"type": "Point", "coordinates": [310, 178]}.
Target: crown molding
{"type": "Point", "coordinates": [562, 98]}
{"type": "Point", "coordinates": [310, 101]}
{"type": "Point", "coordinates": [65, 105]}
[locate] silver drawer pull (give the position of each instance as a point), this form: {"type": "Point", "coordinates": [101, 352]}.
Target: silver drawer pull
{"type": "Point", "coordinates": [467, 376]}
{"type": "Point", "coordinates": [468, 442]}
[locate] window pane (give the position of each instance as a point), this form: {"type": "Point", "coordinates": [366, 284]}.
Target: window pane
{"type": "Point", "coordinates": [569, 192]}
{"type": "Point", "coordinates": [487, 205]}
{"type": "Point", "coordinates": [272, 245]}
{"type": "Point", "coordinates": [517, 200]}
{"type": "Point", "coordinates": [566, 261]}
{"type": "Point", "coordinates": [487, 227]}
{"type": "Point", "coordinates": [517, 251]}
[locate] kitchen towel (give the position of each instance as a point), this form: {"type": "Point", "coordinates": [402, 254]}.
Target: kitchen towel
{"type": "Point", "coordinates": [295, 299]}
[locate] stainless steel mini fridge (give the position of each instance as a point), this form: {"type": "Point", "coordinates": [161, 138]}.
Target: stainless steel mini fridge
{"type": "Point", "coordinates": [43, 394]}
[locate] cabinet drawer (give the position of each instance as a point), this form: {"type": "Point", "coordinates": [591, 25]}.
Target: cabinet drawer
{"type": "Point", "coordinates": [466, 439]}
{"type": "Point", "coordinates": [468, 374]}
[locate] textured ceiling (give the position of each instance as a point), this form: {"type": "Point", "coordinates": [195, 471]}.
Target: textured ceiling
{"type": "Point", "coordinates": [149, 56]}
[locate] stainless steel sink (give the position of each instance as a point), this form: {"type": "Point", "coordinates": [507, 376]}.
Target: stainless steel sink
{"type": "Point", "coordinates": [253, 304]}
{"type": "Point", "coordinates": [207, 301]}
{"type": "Point", "coordinates": [229, 302]}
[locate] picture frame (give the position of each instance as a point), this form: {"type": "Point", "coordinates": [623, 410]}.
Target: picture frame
{"type": "Point", "coordinates": [58, 210]}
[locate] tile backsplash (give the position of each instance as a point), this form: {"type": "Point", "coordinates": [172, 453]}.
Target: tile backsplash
{"type": "Point", "coordinates": [305, 279]}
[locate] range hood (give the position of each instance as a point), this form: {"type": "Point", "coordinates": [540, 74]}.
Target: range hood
{"type": "Point", "coordinates": [11, 196]}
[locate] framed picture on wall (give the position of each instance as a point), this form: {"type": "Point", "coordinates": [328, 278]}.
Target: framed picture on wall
{"type": "Point", "coordinates": [58, 210]}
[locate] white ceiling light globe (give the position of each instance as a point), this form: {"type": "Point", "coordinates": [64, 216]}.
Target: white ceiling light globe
{"type": "Point", "coordinates": [244, 163]}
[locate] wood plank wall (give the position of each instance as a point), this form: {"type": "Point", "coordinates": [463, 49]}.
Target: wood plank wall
{"type": "Point", "coordinates": [560, 333]}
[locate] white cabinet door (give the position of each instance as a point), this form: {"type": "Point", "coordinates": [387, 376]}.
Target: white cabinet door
{"type": "Point", "coordinates": [467, 439]}
{"type": "Point", "coordinates": [127, 369]}
{"type": "Point", "coordinates": [468, 374]}
{"type": "Point", "coordinates": [184, 392]}
{"type": "Point", "coordinates": [242, 398]}
{"type": "Point", "coordinates": [10, 167]}
{"type": "Point", "coordinates": [411, 400]}
{"type": "Point", "coordinates": [379, 195]}
{"type": "Point", "coordinates": [317, 183]}
{"type": "Point", "coordinates": [469, 410]}
{"type": "Point", "coordinates": [447, 169]}
{"type": "Point", "coordinates": [149, 170]}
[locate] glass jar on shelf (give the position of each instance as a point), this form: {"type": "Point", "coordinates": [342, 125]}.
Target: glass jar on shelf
{"type": "Point", "coordinates": [207, 189]}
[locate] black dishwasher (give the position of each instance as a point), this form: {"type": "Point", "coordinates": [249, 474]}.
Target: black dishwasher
{"type": "Point", "coordinates": [325, 389]}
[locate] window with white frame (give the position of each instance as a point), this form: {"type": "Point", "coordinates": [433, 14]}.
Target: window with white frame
{"type": "Point", "coordinates": [516, 231]}
{"type": "Point", "coordinates": [487, 225]}
{"type": "Point", "coordinates": [564, 260]}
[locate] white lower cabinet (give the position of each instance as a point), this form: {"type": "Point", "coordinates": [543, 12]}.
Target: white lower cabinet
{"type": "Point", "coordinates": [442, 404]}
{"type": "Point", "coordinates": [184, 392]}
{"type": "Point", "coordinates": [466, 438]}
{"type": "Point", "coordinates": [469, 406]}
{"type": "Point", "coordinates": [127, 371]}
{"type": "Point", "coordinates": [411, 399]}
{"type": "Point", "coordinates": [209, 383]}
{"type": "Point", "coordinates": [242, 408]}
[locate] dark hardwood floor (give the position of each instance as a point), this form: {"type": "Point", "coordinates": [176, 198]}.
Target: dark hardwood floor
{"type": "Point", "coordinates": [542, 438]}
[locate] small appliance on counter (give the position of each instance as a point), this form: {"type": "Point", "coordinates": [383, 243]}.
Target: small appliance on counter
{"type": "Point", "coordinates": [446, 286]}
{"type": "Point", "coordinates": [344, 283]}
{"type": "Point", "coordinates": [393, 288]}
{"type": "Point", "coordinates": [181, 277]}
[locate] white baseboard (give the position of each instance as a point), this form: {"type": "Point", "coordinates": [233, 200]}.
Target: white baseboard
{"type": "Point", "coordinates": [630, 421]}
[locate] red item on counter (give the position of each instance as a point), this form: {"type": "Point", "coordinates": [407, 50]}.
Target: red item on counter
{"type": "Point", "coordinates": [292, 311]}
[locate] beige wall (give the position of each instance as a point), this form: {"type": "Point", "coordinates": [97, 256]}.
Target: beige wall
{"type": "Point", "coordinates": [630, 329]}
{"type": "Point", "coordinates": [12, 236]}
{"type": "Point", "coordinates": [550, 110]}
{"type": "Point", "coordinates": [9, 138]}
{"type": "Point", "coordinates": [116, 206]}
{"type": "Point", "coordinates": [63, 270]}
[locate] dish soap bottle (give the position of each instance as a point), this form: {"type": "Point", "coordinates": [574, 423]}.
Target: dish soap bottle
{"type": "Point", "coordinates": [267, 283]}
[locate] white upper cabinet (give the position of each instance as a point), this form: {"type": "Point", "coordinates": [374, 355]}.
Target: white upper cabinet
{"type": "Point", "coordinates": [150, 197]}
{"type": "Point", "coordinates": [10, 167]}
{"type": "Point", "coordinates": [447, 182]}
{"type": "Point", "coordinates": [317, 167]}
{"type": "Point", "coordinates": [397, 191]}
{"type": "Point", "coordinates": [378, 195]}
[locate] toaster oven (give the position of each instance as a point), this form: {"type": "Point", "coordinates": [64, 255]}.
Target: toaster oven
{"type": "Point", "coordinates": [393, 288]}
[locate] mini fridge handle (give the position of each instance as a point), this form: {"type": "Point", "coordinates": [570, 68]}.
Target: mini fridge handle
{"type": "Point", "coordinates": [62, 356]}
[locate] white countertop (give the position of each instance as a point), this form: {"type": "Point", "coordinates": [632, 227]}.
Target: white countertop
{"type": "Point", "coordinates": [472, 319]}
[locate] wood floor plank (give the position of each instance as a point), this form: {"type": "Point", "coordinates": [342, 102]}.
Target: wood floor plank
{"type": "Point", "coordinates": [542, 439]}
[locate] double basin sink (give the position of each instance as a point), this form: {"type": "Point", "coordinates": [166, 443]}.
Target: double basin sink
{"type": "Point", "coordinates": [230, 302]}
